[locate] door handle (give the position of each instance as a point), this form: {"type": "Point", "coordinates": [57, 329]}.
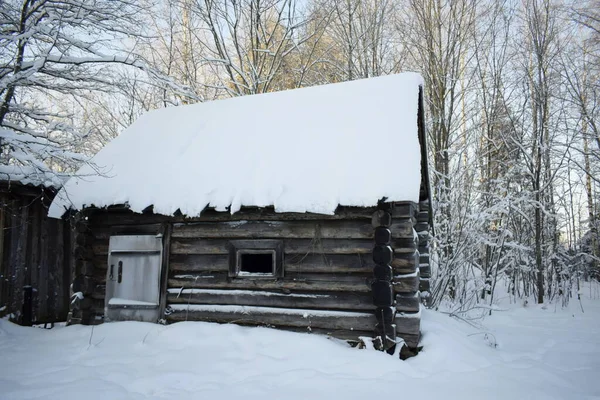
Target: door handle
{"type": "Point", "coordinates": [111, 276]}
{"type": "Point", "coordinates": [120, 276]}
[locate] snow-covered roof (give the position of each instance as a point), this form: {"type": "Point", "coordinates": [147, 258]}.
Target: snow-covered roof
{"type": "Point", "coordinates": [30, 175]}
{"type": "Point", "coordinates": [303, 150]}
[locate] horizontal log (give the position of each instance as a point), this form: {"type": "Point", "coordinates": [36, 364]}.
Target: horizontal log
{"type": "Point", "coordinates": [362, 278]}
{"type": "Point", "coordinates": [220, 282]}
{"type": "Point", "coordinates": [334, 264]}
{"type": "Point", "coordinates": [359, 279]}
{"type": "Point", "coordinates": [424, 285]}
{"type": "Point", "coordinates": [409, 303]}
{"type": "Point", "coordinates": [405, 263]}
{"type": "Point", "coordinates": [324, 229]}
{"type": "Point", "coordinates": [299, 318]}
{"type": "Point", "coordinates": [404, 245]}
{"type": "Point", "coordinates": [105, 232]}
{"type": "Point", "coordinates": [407, 323]}
{"type": "Point", "coordinates": [291, 246]}
{"type": "Point", "coordinates": [347, 335]}
{"type": "Point", "coordinates": [423, 216]}
{"type": "Point", "coordinates": [328, 246]}
{"type": "Point", "coordinates": [411, 340]}
{"type": "Point", "coordinates": [125, 217]}
{"type": "Point", "coordinates": [422, 227]}
{"type": "Point", "coordinates": [404, 209]}
{"type": "Point", "coordinates": [330, 301]}
{"type": "Point", "coordinates": [424, 258]}
{"type": "Point", "coordinates": [179, 263]}
{"type": "Point", "coordinates": [425, 270]}
{"type": "Point", "coordinates": [337, 263]}
{"type": "Point", "coordinates": [406, 284]}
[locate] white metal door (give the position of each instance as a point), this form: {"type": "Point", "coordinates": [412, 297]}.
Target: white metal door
{"type": "Point", "coordinates": [133, 277]}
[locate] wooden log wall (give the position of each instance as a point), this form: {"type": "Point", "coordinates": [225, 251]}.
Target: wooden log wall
{"type": "Point", "coordinates": [35, 260]}
{"type": "Point", "coordinates": [406, 279]}
{"type": "Point", "coordinates": [328, 267]}
{"type": "Point", "coordinates": [381, 287]}
{"type": "Point", "coordinates": [326, 274]}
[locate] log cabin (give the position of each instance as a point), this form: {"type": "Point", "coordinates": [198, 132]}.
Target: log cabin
{"type": "Point", "coordinates": [35, 263]}
{"type": "Point", "coordinates": [306, 210]}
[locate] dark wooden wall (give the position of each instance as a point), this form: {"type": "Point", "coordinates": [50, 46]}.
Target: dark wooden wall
{"type": "Point", "coordinates": [327, 262]}
{"type": "Point", "coordinates": [35, 257]}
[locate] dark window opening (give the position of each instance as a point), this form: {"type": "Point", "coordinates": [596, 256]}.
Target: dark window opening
{"type": "Point", "coordinates": [256, 259]}
{"type": "Point", "coordinates": [256, 263]}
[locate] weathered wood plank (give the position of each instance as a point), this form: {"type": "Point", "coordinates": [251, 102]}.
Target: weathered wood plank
{"type": "Point", "coordinates": [332, 229]}
{"type": "Point", "coordinates": [337, 263]}
{"type": "Point", "coordinates": [405, 263]}
{"type": "Point", "coordinates": [182, 263]}
{"type": "Point", "coordinates": [408, 283]}
{"type": "Point", "coordinates": [423, 216]}
{"type": "Point", "coordinates": [104, 232]}
{"type": "Point", "coordinates": [332, 264]}
{"type": "Point", "coordinates": [412, 340]}
{"type": "Point", "coordinates": [328, 246]}
{"type": "Point", "coordinates": [298, 318]}
{"type": "Point", "coordinates": [408, 323]}
{"type": "Point", "coordinates": [57, 266]}
{"type": "Point", "coordinates": [33, 261]}
{"type": "Point", "coordinates": [3, 261]}
{"type": "Point", "coordinates": [425, 270]}
{"type": "Point", "coordinates": [359, 279]}
{"type": "Point", "coordinates": [422, 227]}
{"type": "Point", "coordinates": [404, 209]}
{"type": "Point", "coordinates": [124, 217]}
{"type": "Point", "coordinates": [424, 285]}
{"type": "Point", "coordinates": [329, 301]}
{"type": "Point", "coordinates": [19, 247]}
{"type": "Point", "coordinates": [214, 281]}
{"type": "Point", "coordinates": [410, 303]}
{"type": "Point", "coordinates": [348, 335]}
{"type": "Point", "coordinates": [167, 230]}
{"type": "Point", "coordinates": [291, 246]}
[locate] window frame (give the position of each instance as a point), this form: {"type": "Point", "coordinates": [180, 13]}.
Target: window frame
{"type": "Point", "coordinates": [240, 247]}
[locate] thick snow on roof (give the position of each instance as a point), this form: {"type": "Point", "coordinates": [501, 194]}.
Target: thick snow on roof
{"type": "Point", "coordinates": [30, 175]}
{"type": "Point", "coordinates": [303, 150]}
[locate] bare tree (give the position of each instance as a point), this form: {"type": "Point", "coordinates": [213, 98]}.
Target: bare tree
{"type": "Point", "coordinates": [247, 44]}
{"type": "Point", "coordinates": [53, 52]}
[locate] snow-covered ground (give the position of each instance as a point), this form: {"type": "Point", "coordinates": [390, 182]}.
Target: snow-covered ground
{"type": "Point", "coordinates": [530, 352]}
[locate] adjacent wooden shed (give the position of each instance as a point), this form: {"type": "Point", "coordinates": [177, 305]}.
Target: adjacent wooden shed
{"type": "Point", "coordinates": [305, 210]}
{"type": "Point", "coordinates": [35, 267]}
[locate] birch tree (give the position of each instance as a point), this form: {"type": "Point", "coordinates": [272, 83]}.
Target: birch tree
{"type": "Point", "coordinates": [55, 52]}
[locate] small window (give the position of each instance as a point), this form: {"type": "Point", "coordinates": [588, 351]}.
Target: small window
{"type": "Point", "coordinates": [256, 259]}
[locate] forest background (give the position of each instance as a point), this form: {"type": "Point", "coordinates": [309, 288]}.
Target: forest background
{"type": "Point", "coordinates": [512, 94]}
